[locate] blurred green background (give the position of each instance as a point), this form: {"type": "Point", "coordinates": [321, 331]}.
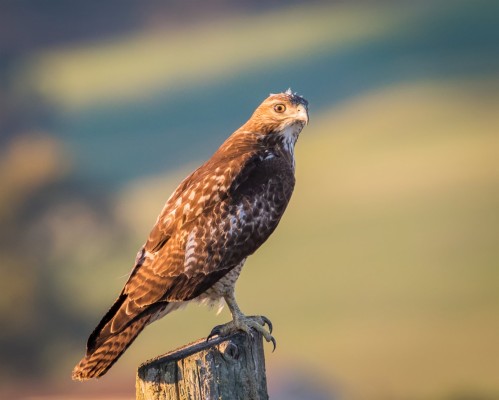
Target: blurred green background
{"type": "Point", "coordinates": [382, 279]}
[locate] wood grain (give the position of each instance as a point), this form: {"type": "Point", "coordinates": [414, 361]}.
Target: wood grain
{"type": "Point", "coordinates": [229, 368]}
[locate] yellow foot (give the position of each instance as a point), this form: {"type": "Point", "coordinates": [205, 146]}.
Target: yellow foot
{"type": "Point", "coordinates": [245, 324]}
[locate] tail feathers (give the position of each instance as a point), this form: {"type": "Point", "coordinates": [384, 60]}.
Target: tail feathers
{"type": "Point", "coordinates": [97, 362]}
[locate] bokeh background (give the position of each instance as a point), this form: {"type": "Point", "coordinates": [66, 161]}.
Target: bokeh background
{"type": "Point", "coordinates": [382, 279]}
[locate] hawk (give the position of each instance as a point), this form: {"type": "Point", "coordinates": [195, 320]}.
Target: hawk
{"type": "Point", "coordinates": [218, 216]}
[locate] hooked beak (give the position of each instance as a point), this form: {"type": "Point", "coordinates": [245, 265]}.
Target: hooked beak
{"type": "Point", "coordinates": [302, 114]}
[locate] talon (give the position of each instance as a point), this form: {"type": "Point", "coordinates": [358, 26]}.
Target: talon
{"type": "Point", "coordinates": [267, 321]}
{"type": "Point", "coordinates": [274, 343]}
{"type": "Point", "coordinates": [215, 331]}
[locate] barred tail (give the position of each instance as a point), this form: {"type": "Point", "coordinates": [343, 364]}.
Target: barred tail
{"type": "Point", "coordinates": [98, 362]}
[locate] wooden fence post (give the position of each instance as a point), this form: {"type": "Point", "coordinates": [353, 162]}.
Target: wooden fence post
{"type": "Point", "coordinates": [229, 368]}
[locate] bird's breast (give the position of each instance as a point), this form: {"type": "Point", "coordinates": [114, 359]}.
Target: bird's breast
{"type": "Point", "coordinates": [258, 204]}
{"type": "Point", "coordinates": [273, 176]}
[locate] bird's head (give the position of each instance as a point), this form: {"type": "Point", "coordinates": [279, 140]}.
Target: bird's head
{"type": "Point", "coordinates": [285, 112]}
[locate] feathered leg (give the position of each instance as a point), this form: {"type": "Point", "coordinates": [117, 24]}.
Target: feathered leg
{"type": "Point", "coordinates": [241, 322]}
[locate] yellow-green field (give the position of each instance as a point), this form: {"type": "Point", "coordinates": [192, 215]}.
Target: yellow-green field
{"type": "Point", "coordinates": [382, 279]}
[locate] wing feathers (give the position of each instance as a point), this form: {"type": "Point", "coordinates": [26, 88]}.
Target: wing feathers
{"type": "Point", "coordinates": [181, 266]}
{"type": "Point", "coordinates": [92, 340]}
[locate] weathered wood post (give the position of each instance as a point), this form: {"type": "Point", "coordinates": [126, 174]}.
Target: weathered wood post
{"type": "Point", "coordinates": [230, 368]}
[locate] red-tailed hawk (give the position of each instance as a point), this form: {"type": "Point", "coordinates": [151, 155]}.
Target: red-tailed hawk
{"type": "Point", "coordinates": [215, 219]}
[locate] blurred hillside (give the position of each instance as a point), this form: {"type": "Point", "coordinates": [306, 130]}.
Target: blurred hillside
{"type": "Point", "coordinates": [383, 275]}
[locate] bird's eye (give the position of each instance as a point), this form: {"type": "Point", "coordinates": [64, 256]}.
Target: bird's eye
{"type": "Point", "coordinates": [280, 108]}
